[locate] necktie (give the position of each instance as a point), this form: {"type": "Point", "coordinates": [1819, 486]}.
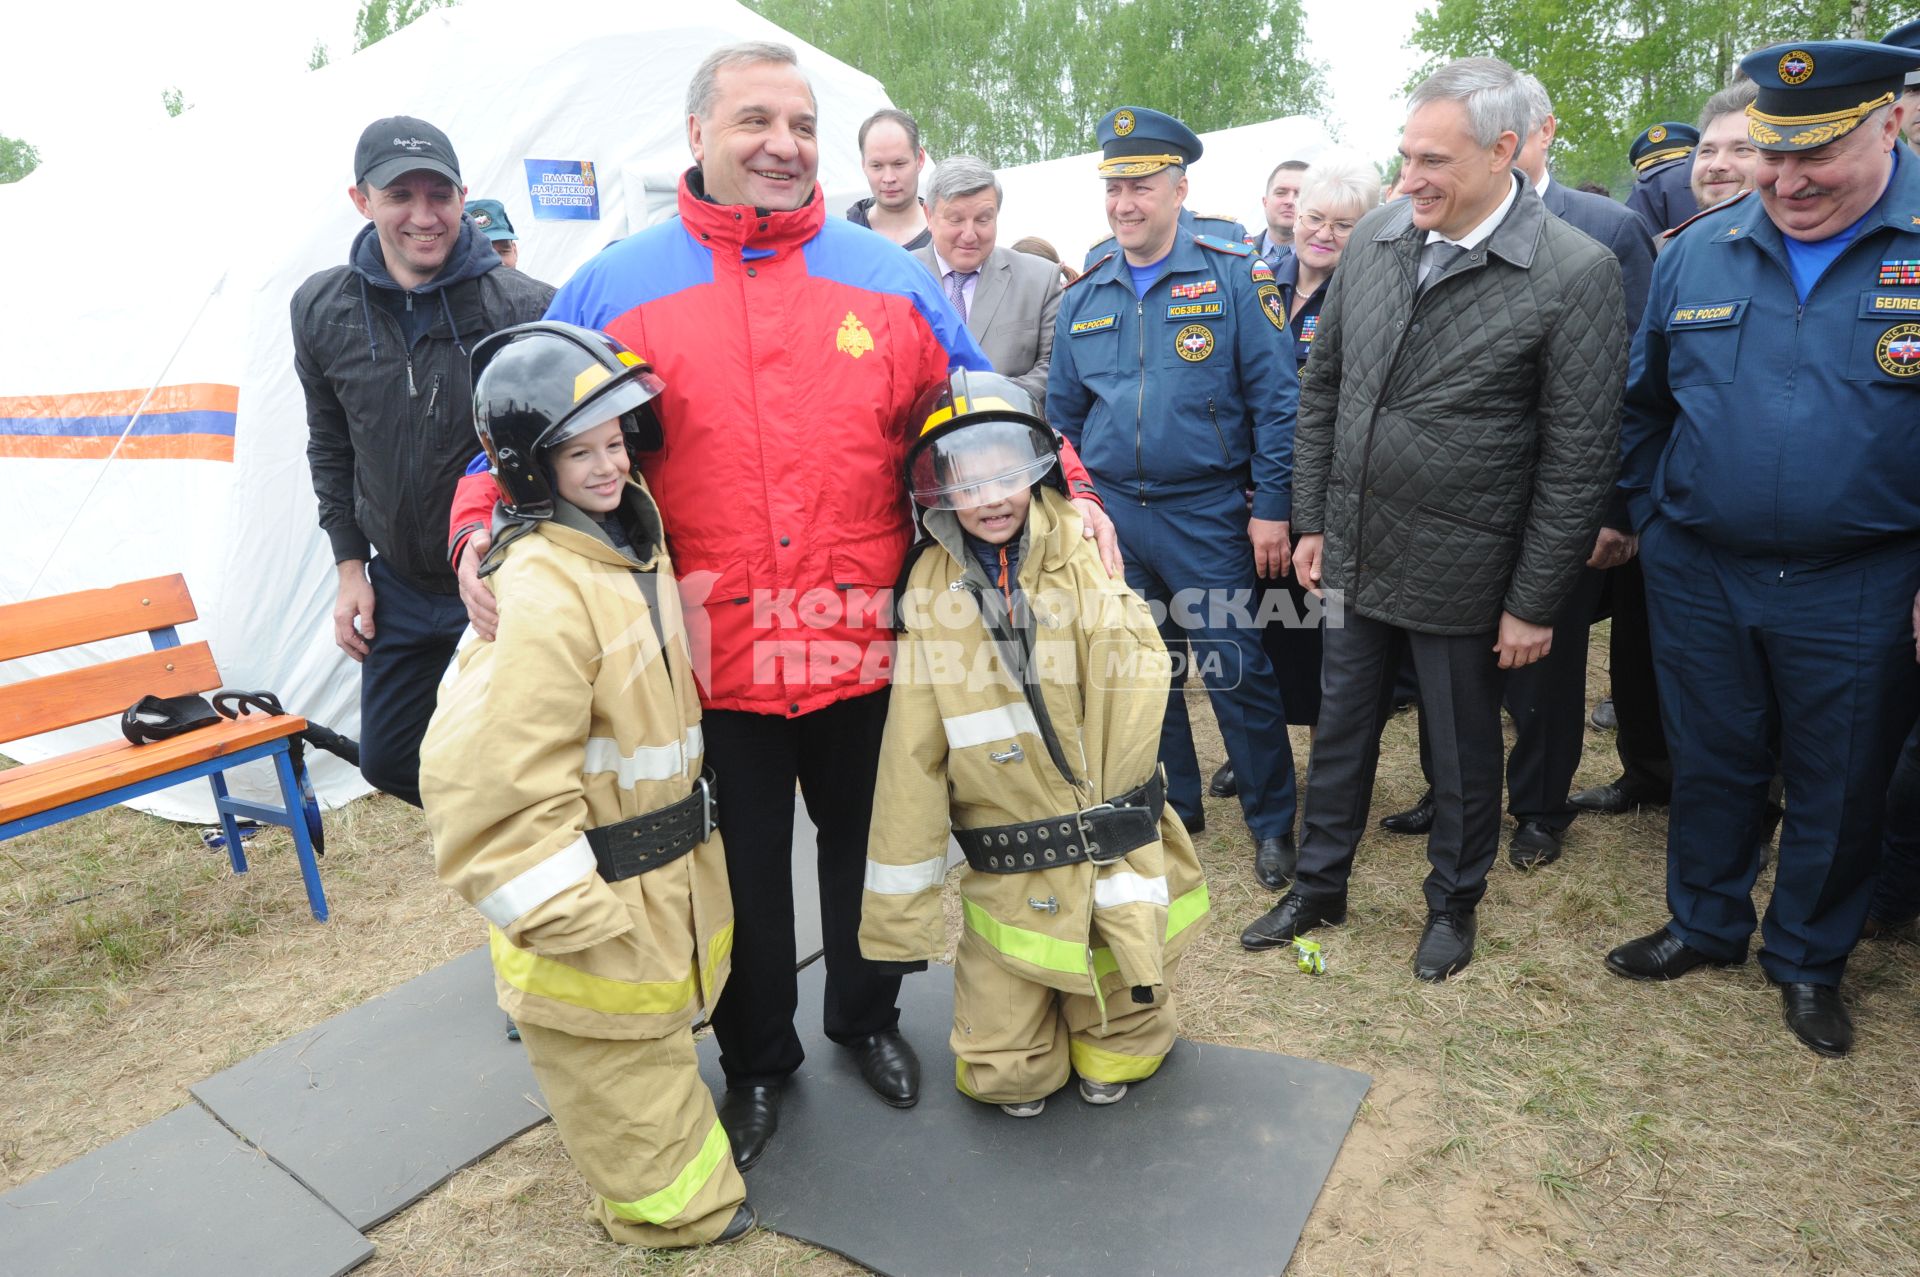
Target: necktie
{"type": "Point", "coordinates": [1440, 256]}
{"type": "Point", "coordinates": [957, 290]}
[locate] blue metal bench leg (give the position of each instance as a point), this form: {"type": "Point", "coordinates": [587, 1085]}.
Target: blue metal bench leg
{"type": "Point", "coordinates": [236, 854]}
{"type": "Point", "coordinates": [302, 844]}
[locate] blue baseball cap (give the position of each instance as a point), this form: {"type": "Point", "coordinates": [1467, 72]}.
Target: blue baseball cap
{"type": "Point", "coordinates": [490, 217]}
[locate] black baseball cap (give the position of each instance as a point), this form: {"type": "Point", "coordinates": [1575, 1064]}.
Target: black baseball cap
{"type": "Point", "coordinates": [402, 144]}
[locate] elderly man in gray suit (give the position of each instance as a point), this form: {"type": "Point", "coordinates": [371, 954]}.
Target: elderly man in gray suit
{"type": "Point", "coordinates": [1008, 299]}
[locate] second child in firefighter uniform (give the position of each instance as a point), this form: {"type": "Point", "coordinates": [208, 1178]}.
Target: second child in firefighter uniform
{"type": "Point", "coordinates": [564, 786]}
{"type": "Point", "coordinates": [1027, 697]}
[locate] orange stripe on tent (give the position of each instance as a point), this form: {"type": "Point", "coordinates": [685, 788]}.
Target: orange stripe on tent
{"type": "Point", "coordinates": [193, 397]}
{"type": "Point", "coordinates": [136, 448]}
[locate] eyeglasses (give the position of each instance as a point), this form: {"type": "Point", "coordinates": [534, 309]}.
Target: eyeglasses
{"type": "Point", "coordinates": [1313, 222]}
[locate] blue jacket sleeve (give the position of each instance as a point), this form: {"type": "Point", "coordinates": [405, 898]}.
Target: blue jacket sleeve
{"type": "Point", "coordinates": [1649, 412]}
{"type": "Point", "coordinates": [1067, 395]}
{"type": "Point", "coordinates": [1270, 389]}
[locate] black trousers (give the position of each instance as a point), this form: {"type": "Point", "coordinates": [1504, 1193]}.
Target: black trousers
{"type": "Point", "coordinates": [834, 754]}
{"type": "Point", "coordinates": [1548, 701]}
{"type": "Point", "coordinates": [1460, 705]}
{"type": "Point", "coordinates": [1640, 739]}
{"type": "Point", "coordinates": [415, 634]}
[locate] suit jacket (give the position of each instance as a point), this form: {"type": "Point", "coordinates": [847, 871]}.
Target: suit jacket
{"type": "Point", "coordinates": [1623, 233]}
{"type": "Point", "coordinates": [1014, 304]}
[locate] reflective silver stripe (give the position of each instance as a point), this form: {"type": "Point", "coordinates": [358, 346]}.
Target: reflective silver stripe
{"type": "Point", "coordinates": [1129, 889]}
{"type": "Point", "coordinates": [983, 727]}
{"type": "Point", "coordinates": [648, 762]}
{"type": "Point", "coordinates": [511, 900]}
{"type": "Point", "coordinates": [905, 880]}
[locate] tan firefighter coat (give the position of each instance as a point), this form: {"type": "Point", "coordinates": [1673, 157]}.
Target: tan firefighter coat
{"type": "Point", "coordinates": [574, 718]}
{"type": "Point", "coordinates": [965, 747]}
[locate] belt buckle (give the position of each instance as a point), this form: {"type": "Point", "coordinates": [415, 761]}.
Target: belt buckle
{"type": "Point", "coordinates": [706, 808]}
{"type": "Point", "coordinates": [1089, 839]}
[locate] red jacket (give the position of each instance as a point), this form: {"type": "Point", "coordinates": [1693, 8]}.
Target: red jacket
{"type": "Point", "coordinates": [794, 347]}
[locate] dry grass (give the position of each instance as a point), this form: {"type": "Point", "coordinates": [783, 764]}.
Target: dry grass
{"type": "Point", "coordinates": [1534, 1115]}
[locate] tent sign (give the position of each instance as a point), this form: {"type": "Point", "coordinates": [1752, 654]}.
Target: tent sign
{"type": "Point", "coordinates": [563, 190]}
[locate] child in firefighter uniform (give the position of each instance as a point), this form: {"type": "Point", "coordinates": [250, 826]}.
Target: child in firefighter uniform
{"type": "Point", "coordinates": [563, 784]}
{"type": "Point", "coordinates": [1025, 717]}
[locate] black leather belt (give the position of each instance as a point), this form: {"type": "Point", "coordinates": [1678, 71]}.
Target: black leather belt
{"type": "Point", "coordinates": [655, 838]}
{"type": "Point", "coordinates": [1100, 834]}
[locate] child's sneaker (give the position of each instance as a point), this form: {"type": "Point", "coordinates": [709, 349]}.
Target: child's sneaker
{"type": "Point", "coordinates": [1027, 1108]}
{"type": "Point", "coordinates": [1102, 1092]}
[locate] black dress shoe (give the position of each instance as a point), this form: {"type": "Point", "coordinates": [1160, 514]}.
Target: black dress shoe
{"type": "Point", "coordinates": [1294, 915]}
{"type": "Point", "coordinates": [1614, 798]}
{"type": "Point", "coordinates": [1533, 845]}
{"type": "Point", "coordinates": [749, 1115]}
{"type": "Point", "coordinates": [1198, 825]}
{"type": "Point", "coordinates": [1224, 784]}
{"type": "Point", "coordinates": [1274, 860]}
{"type": "Point", "coordinates": [1446, 946]}
{"type": "Point", "coordinates": [1661, 956]}
{"type": "Point", "coordinates": [1604, 716]}
{"type": "Point", "coordinates": [739, 1226]}
{"type": "Point", "coordinates": [890, 1067]}
{"type": "Point", "coordinates": [1417, 819]}
{"type": "Point", "coordinates": [1817, 1017]}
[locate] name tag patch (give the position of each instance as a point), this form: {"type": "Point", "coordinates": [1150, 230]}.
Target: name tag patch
{"type": "Point", "coordinates": [1081, 327]}
{"type": "Point", "coordinates": [1706, 314]}
{"type": "Point", "coordinates": [1193, 310]}
{"type": "Point", "coordinates": [1872, 304]}
{"type": "Point", "coordinates": [1900, 273]}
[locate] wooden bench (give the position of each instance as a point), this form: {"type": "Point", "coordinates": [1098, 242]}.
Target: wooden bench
{"type": "Point", "coordinates": [56, 789]}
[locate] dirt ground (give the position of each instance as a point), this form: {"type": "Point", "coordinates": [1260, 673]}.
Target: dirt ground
{"type": "Point", "coordinates": [1534, 1115]}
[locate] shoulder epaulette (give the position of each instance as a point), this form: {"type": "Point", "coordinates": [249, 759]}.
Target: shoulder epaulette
{"type": "Point", "coordinates": [1219, 245]}
{"type": "Point", "coordinates": [1217, 217]}
{"type": "Point", "coordinates": [1091, 267]}
{"type": "Point", "coordinates": [1104, 239]}
{"type": "Point", "coordinates": [1725, 203]}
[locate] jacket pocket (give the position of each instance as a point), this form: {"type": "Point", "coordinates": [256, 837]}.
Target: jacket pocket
{"type": "Point", "coordinates": [1466, 565]}
{"type": "Point", "coordinates": [1703, 341]}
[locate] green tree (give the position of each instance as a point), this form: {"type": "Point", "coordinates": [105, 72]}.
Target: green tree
{"type": "Point", "coordinates": [319, 57]}
{"type": "Point", "coordinates": [17, 159]}
{"type": "Point", "coordinates": [1014, 81]}
{"type": "Point", "coordinates": [1613, 67]}
{"type": "Point", "coordinates": [379, 19]}
{"type": "Point", "coordinates": [175, 101]}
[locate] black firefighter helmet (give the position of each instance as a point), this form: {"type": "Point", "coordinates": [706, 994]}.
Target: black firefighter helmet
{"type": "Point", "coordinates": [980, 439]}
{"type": "Point", "coordinates": [538, 384]}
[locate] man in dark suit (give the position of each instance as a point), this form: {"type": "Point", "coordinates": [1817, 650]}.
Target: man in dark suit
{"type": "Point", "coordinates": [1008, 299]}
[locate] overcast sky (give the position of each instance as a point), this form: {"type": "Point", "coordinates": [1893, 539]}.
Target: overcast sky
{"type": "Point", "coordinates": [73, 72]}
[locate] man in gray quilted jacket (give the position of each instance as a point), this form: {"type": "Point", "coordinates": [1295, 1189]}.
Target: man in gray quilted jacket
{"type": "Point", "coordinates": [1457, 439]}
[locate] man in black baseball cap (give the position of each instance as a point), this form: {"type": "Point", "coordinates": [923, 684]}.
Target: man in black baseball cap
{"type": "Point", "coordinates": [380, 345]}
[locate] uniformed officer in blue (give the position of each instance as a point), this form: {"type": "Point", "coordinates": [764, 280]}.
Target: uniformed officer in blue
{"type": "Point", "coordinates": [1772, 465]}
{"type": "Point", "coordinates": [1169, 375]}
{"type": "Point", "coordinates": [1662, 159]}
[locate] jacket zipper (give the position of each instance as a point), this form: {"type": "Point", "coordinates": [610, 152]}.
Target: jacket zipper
{"type": "Point", "coordinates": [1140, 403]}
{"type": "Point", "coordinates": [1212, 417]}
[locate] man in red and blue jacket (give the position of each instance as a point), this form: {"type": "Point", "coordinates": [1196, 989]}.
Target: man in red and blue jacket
{"type": "Point", "coordinates": [793, 346]}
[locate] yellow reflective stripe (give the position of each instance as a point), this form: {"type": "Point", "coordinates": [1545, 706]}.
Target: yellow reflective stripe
{"type": "Point", "coordinates": [545, 978]}
{"type": "Point", "coordinates": [719, 949]}
{"type": "Point", "coordinates": [1181, 914]}
{"type": "Point", "coordinates": [1028, 946]}
{"type": "Point", "coordinates": [1099, 1065]}
{"type": "Point", "coordinates": [960, 1082]}
{"type": "Point", "coordinates": [669, 1202]}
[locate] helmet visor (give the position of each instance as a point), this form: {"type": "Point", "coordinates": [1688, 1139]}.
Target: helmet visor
{"type": "Point", "coordinates": [621, 399]}
{"type": "Point", "coordinates": [979, 465]}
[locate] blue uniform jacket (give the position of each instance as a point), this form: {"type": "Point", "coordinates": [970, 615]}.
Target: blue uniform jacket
{"type": "Point", "coordinates": [1767, 426]}
{"type": "Point", "coordinates": [1176, 396]}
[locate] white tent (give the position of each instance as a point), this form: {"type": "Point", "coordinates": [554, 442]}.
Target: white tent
{"type": "Point", "coordinates": [153, 283]}
{"type": "Point", "coordinates": [1061, 200]}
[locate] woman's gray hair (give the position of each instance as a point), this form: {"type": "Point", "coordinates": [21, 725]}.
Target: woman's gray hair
{"type": "Point", "coordinates": [1490, 90]}
{"type": "Point", "coordinates": [705, 85]}
{"type": "Point", "coordinates": [961, 175]}
{"type": "Point", "coordinates": [1341, 179]}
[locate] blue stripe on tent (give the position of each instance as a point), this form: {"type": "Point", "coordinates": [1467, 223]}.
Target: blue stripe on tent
{"type": "Point", "coordinates": [162, 423]}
